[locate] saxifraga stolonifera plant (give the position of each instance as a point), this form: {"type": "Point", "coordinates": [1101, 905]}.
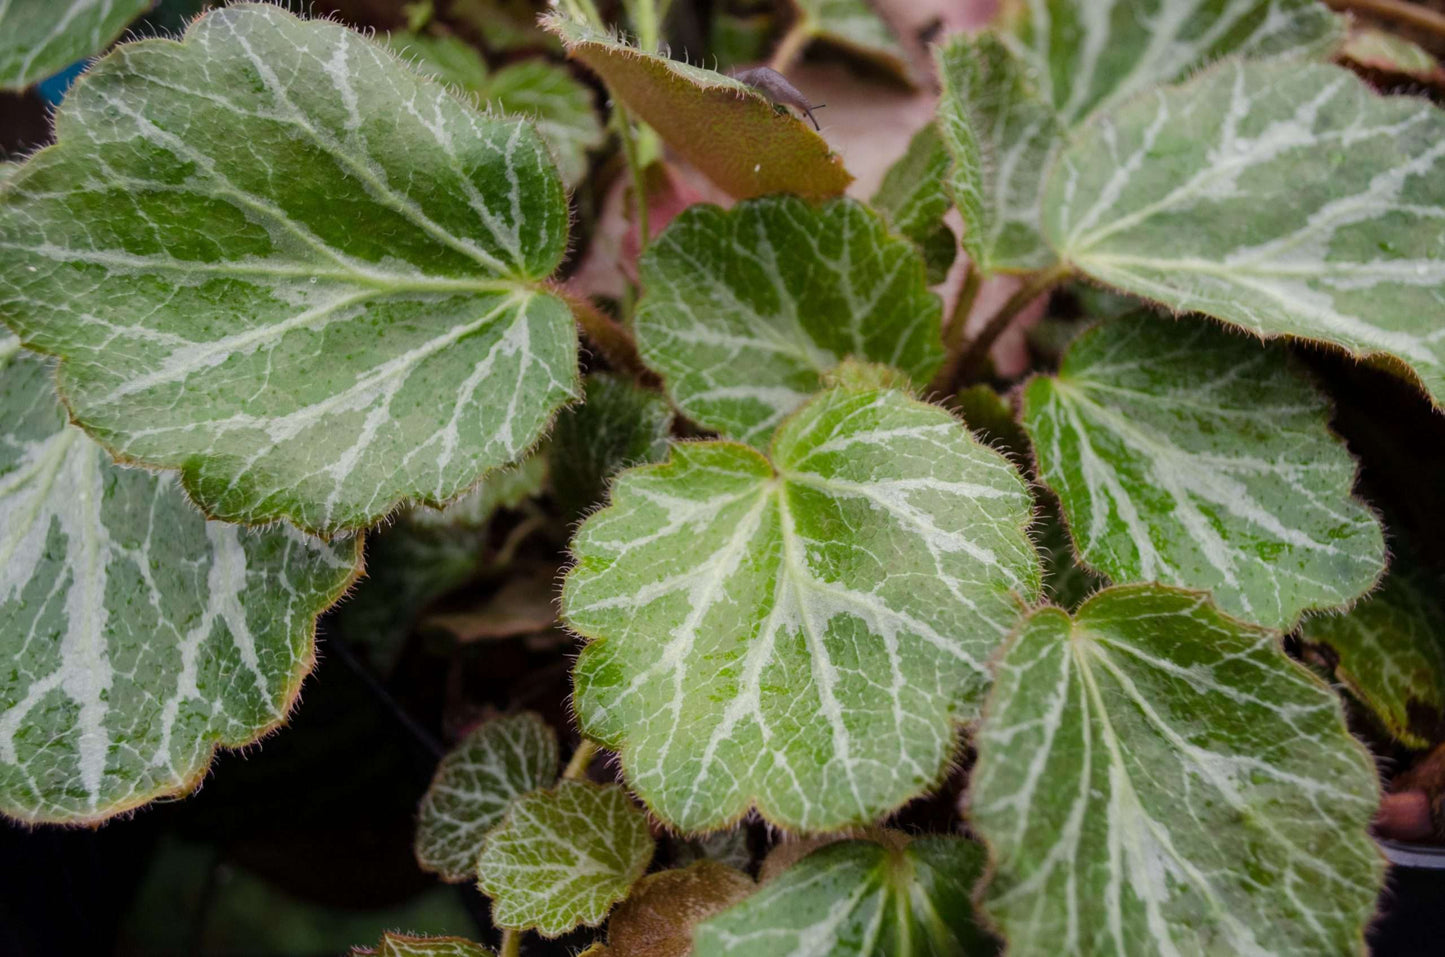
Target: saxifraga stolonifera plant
{"type": "Point", "coordinates": [276, 280]}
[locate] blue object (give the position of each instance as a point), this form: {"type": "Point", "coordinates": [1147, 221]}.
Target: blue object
{"type": "Point", "coordinates": [53, 89]}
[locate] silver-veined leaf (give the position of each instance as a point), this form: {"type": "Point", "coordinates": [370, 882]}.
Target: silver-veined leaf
{"type": "Point", "coordinates": [276, 259]}
{"type": "Point", "coordinates": [800, 632]}
{"type": "Point", "coordinates": [1391, 650]}
{"type": "Point", "coordinates": [860, 899]}
{"type": "Point", "coordinates": [1157, 778]}
{"type": "Point", "coordinates": [561, 858]}
{"type": "Point", "coordinates": [1286, 198]}
{"type": "Point", "coordinates": [1001, 137]}
{"type": "Point", "coordinates": [1090, 56]}
{"type": "Point", "coordinates": [1186, 455]}
{"type": "Point", "coordinates": [39, 38]}
{"type": "Point", "coordinates": [137, 636]}
{"type": "Point", "coordinates": [746, 310]}
{"type": "Point", "coordinates": [1011, 101]}
{"type": "Point", "coordinates": [475, 784]}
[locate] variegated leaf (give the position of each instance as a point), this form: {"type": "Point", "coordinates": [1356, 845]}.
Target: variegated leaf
{"type": "Point", "coordinates": [1154, 777]}
{"type": "Point", "coordinates": [1186, 455]}
{"type": "Point", "coordinates": [1001, 136]}
{"type": "Point", "coordinates": [1286, 198]}
{"type": "Point", "coordinates": [276, 259]}
{"type": "Point", "coordinates": [728, 130]}
{"type": "Point", "coordinates": [1010, 102]}
{"type": "Point", "coordinates": [474, 785]}
{"type": "Point", "coordinates": [39, 38]}
{"type": "Point", "coordinates": [800, 632]}
{"type": "Point", "coordinates": [1090, 56]}
{"type": "Point", "coordinates": [561, 858]}
{"type": "Point", "coordinates": [860, 899]}
{"type": "Point", "coordinates": [747, 309]}
{"type": "Point", "coordinates": [1391, 651]}
{"type": "Point", "coordinates": [137, 637]}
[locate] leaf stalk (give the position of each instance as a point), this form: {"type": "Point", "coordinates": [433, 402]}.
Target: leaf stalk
{"type": "Point", "coordinates": [973, 354]}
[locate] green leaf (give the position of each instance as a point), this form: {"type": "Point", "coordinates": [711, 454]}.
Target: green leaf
{"type": "Point", "coordinates": [746, 309]}
{"type": "Point", "coordinates": [543, 92]}
{"type": "Point", "coordinates": [8, 168]}
{"type": "Point", "coordinates": [1186, 455]}
{"type": "Point", "coordinates": [423, 555]}
{"type": "Point", "coordinates": [1001, 137]}
{"type": "Point", "coordinates": [1286, 198]}
{"type": "Point", "coordinates": [137, 636]}
{"type": "Point", "coordinates": [802, 632]}
{"type": "Point", "coordinates": [726, 129]}
{"type": "Point", "coordinates": [561, 858]}
{"type": "Point", "coordinates": [39, 38]}
{"type": "Point", "coordinates": [1391, 650]}
{"type": "Point", "coordinates": [475, 784]}
{"type": "Point", "coordinates": [1090, 56]}
{"type": "Point", "coordinates": [913, 198]}
{"type": "Point", "coordinates": [320, 273]}
{"type": "Point", "coordinates": [852, 25]}
{"type": "Point", "coordinates": [1156, 778]}
{"type": "Point", "coordinates": [1010, 102]}
{"type": "Point", "coordinates": [404, 945]}
{"type": "Point", "coordinates": [860, 899]}
{"type": "Point", "coordinates": [658, 917]}
{"type": "Point", "coordinates": [617, 425]}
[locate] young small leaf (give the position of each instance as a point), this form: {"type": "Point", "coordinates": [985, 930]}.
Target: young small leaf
{"type": "Point", "coordinates": [852, 25]}
{"type": "Point", "coordinates": [1186, 455]}
{"type": "Point", "coordinates": [138, 637]}
{"type": "Point", "coordinates": [39, 38]}
{"type": "Point", "coordinates": [723, 127]}
{"type": "Point", "coordinates": [1391, 649]}
{"type": "Point", "coordinates": [746, 309]}
{"type": "Point", "coordinates": [404, 945]}
{"type": "Point", "coordinates": [860, 899]}
{"type": "Point", "coordinates": [617, 425]}
{"type": "Point", "coordinates": [561, 858]}
{"type": "Point", "coordinates": [800, 632]}
{"type": "Point", "coordinates": [276, 259]}
{"type": "Point", "coordinates": [913, 198]}
{"type": "Point", "coordinates": [658, 917]}
{"type": "Point", "coordinates": [1286, 198]}
{"type": "Point", "coordinates": [475, 784]}
{"type": "Point", "coordinates": [1156, 778]}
